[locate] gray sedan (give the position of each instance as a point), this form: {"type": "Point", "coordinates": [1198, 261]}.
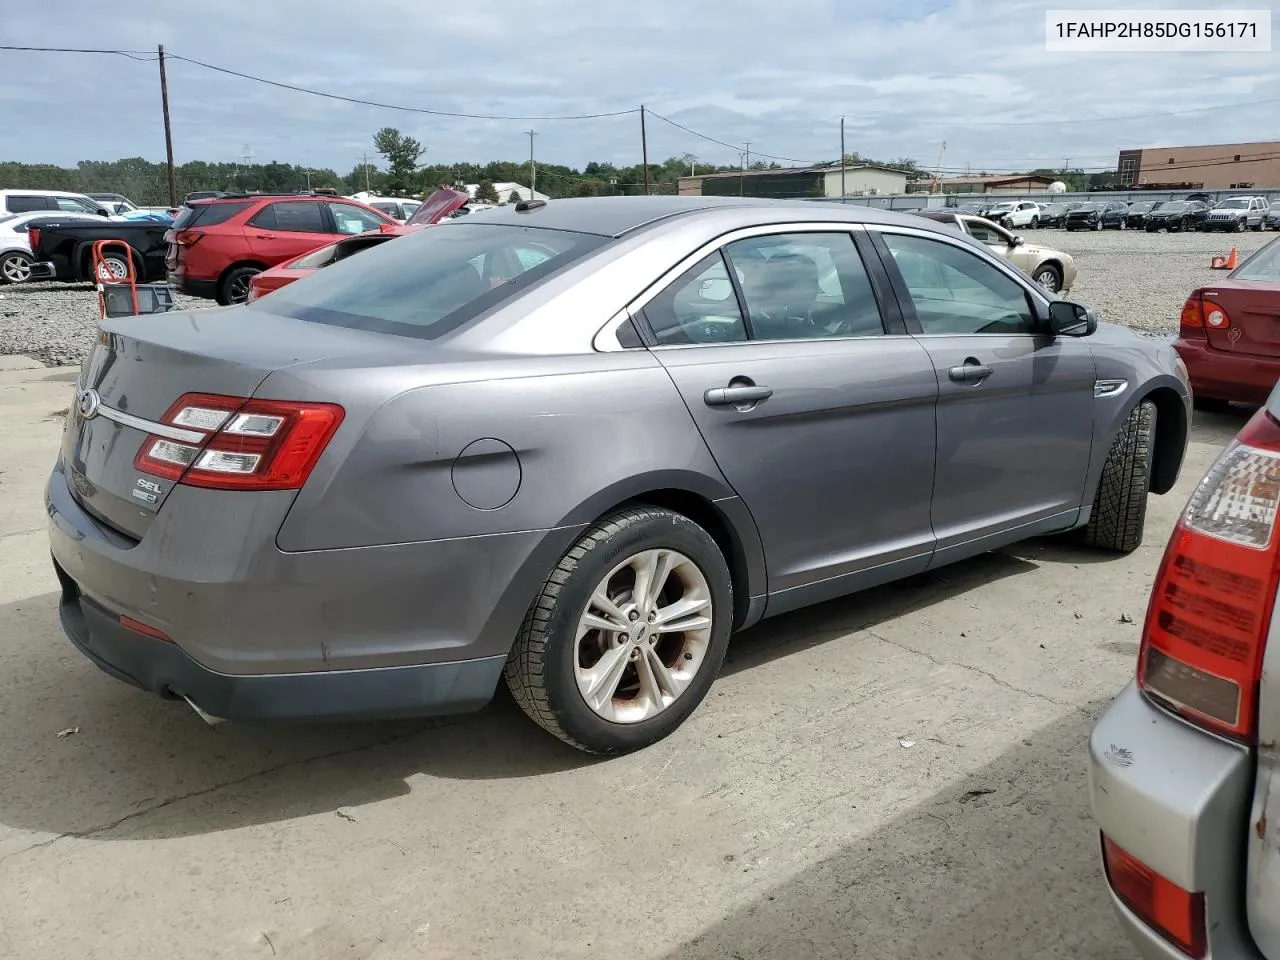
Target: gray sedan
{"type": "Point", "coordinates": [577, 445]}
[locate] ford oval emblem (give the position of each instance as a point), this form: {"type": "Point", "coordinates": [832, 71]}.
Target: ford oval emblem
{"type": "Point", "coordinates": [87, 404]}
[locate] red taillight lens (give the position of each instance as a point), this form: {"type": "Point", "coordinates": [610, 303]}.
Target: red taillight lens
{"type": "Point", "coordinates": [33, 238]}
{"type": "Point", "coordinates": [137, 626]}
{"type": "Point", "coordinates": [1161, 904]}
{"type": "Point", "coordinates": [188, 238]}
{"type": "Point", "coordinates": [1192, 319]}
{"type": "Point", "coordinates": [255, 289]}
{"type": "Point", "coordinates": [242, 444]}
{"type": "Point", "coordinates": [1210, 610]}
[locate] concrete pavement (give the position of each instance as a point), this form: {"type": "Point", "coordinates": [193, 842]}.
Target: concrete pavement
{"type": "Point", "coordinates": [895, 775]}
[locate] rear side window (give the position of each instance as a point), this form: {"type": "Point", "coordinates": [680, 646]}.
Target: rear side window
{"type": "Point", "coordinates": [430, 282]}
{"type": "Point", "coordinates": [1263, 265]}
{"type": "Point", "coordinates": [209, 214]}
{"type": "Point", "coordinates": [293, 216]}
{"type": "Point", "coordinates": [25, 204]}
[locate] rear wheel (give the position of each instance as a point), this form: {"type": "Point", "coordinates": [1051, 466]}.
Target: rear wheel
{"type": "Point", "coordinates": [628, 633]}
{"type": "Point", "coordinates": [234, 287]}
{"type": "Point", "coordinates": [15, 267]}
{"type": "Point", "coordinates": [1120, 507]}
{"type": "Point", "coordinates": [113, 267]}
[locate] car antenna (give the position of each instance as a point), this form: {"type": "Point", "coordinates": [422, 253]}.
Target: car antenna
{"type": "Point", "coordinates": [524, 206]}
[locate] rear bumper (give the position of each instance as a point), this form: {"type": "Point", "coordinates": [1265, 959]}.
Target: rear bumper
{"type": "Point", "coordinates": [44, 270]}
{"type": "Point", "coordinates": [257, 632]}
{"type": "Point", "coordinates": [207, 289]}
{"type": "Point", "coordinates": [1178, 800]}
{"type": "Point", "coordinates": [163, 668]}
{"type": "Point", "coordinates": [1220, 375]}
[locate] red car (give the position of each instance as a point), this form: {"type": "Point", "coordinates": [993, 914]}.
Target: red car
{"type": "Point", "coordinates": [216, 246]}
{"type": "Point", "coordinates": [1230, 333]}
{"type": "Point", "coordinates": [439, 205]}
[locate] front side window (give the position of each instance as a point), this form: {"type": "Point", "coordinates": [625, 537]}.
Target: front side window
{"type": "Point", "coordinates": [351, 219]}
{"type": "Point", "coordinates": [428, 283]}
{"type": "Point", "coordinates": [988, 233]}
{"type": "Point", "coordinates": [700, 306]}
{"type": "Point", "coordinates": [292, 216]}
{"type": "Point", "coordinates": [804, 285]}
{"type": "Point", "coordinates": [74, 205]}
{"type": "Point", "coordinates": [957, 292]}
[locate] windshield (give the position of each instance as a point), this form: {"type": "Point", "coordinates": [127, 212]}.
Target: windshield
{"type": "Point", "coordinates": [1086, 208]}
{"type": "Point", "coordinates": [1174, 206]}
{"type": "Point", "coordinates": [431, 281]}
{"type": "Point", "coordinates": [1239, 203]}
{"type": "Point", "coordinates": [1002, 207]}
{"type": "Point", "coordinates": [1263, 265]}
{"type": "Point", "coordinates": [1140, 207]}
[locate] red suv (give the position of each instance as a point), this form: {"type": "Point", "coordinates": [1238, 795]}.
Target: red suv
{"type": "Point", "coordinates": [216, 246]}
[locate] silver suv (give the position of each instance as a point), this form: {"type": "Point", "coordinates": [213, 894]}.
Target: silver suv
{"type": "Point", "coordinates": [1184, 773]}
{"type": "Point", "coordinates": [1237, 213]}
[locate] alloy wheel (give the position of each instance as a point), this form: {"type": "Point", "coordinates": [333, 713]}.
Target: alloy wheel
{"type": "Point", "coordinates": [15, 268]}
{"type": "Point", "coordinates": [644, 636]}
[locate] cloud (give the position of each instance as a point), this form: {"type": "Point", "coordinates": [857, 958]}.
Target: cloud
{"type": "Point", "coordinates": [905, 76]}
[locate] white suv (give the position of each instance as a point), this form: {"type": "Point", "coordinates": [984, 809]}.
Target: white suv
{"type": "Point", "coordinates": [1015, 213]}
{"type": "Point", "coordinates": [34, 201]}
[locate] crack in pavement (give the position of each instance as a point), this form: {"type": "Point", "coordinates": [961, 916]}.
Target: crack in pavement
{"type": "Point", "coordinates": [205, 791]}
{"type": "Point", "coordinates": [998, 681]}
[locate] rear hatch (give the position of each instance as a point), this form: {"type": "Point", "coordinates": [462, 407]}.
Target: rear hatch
{"type": "Point", "coordinates": [183, 232]}
{"type": "Point", "coordinates": [139, 368]}
{"type": "Point", "coordinates": [1247, 317]}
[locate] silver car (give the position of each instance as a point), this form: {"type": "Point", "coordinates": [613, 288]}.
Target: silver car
{"type": "Point", "coordinates": [578, 444]}
{"type": "Point", "coordinates": [1184, 771]}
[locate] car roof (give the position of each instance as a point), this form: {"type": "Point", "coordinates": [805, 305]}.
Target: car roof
{"type": "Point", "coordinates": [618, 216]}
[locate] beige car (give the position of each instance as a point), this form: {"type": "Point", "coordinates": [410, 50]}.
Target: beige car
{"type": "Point", "coordinates": [1052, 269]}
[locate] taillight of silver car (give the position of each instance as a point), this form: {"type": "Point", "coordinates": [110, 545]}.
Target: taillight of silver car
{"type": "Point", "coordinates": [1210, 610]}
{"type": "Point", "coordinates": [243, 444]}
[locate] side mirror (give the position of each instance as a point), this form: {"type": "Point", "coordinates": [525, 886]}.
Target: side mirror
{"type": "Point", "coordinates": [1017, 242]}
{"type": "Point", "coordinates": [1069, 319]}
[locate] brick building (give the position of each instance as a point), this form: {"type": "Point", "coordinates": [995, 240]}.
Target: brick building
{"type": "Point", "coordinates": [1211, 167]}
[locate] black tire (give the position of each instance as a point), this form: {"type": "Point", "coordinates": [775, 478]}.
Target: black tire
{"type": "Point", "coordinates": [234, 287]}
{"type": "Point", "coordinates": [1241, 225]}
{"type": "Point", "coordinates": [1120, 507]}
{"type": "Point", "coordinates": [114, 265]}
{"type": "Point", "coordinates": [1035, 223]}
{"type": "Point", "coordinates": [1098, 225]}
{"type": "Point", "coordinates": [1212, 405]}
{"type": "Point", "coordinates": [1258, 228]}
{"type": "Point", "coordinates": [15, 267]}
{"type": "Point", "coordinates": [540, 669]}
{"type": "Point", "coordinates": [1048, 276]}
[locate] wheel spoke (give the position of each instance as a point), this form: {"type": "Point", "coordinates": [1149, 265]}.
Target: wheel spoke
{"type": "Point", "coordinates": [656, 682]}
{"type": "Point", "coordinates": [592, 622]}
{"type": "Point", "coordinates": [679, 616]}
{"type": "Point", "coordinates": [604, 677]}
{"type": "Point", "coordinates": [600, 600]}
{"type": "Point", "coordinates": [645, 567]}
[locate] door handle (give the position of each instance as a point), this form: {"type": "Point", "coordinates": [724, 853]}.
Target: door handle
{"type": "Point", "coordinates": [263, 236]}
{"type": "Point", "coordinates": [734, 396]}
{"type": "Point", "coordinates": [971, 371]}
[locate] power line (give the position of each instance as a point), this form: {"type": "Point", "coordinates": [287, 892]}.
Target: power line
{"type": "Point", "coordinates": [141, 55]}
{"type": "Point", "coordinates": [394, 106]}
{"type": "Point", "coordinates": [737, 147]}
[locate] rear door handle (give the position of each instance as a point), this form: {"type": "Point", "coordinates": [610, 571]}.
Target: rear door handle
{"type": "Point", "coordinates": [970, 372]}
{"type": "Point", "coordinates": [734, 396]}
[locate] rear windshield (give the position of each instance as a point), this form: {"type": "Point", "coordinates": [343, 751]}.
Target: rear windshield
{"type": "Point", "coordinates": [432, 281]}
{"type": "Point", "coordinates": [208, 214]}
{"type": "Point", "coordinates": [1263, 265]}
{"type": "Point", "coordinates": [1139, 207]}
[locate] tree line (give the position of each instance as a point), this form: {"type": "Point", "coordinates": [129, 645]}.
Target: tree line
{"type": "Point", "coordinates": [146, 182]}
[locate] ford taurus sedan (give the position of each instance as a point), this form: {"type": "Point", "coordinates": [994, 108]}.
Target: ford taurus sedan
{"type": "Point", "coordinates": [577, 445]}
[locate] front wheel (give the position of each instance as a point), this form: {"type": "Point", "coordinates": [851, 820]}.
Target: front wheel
{"type": "Point", "coordinates": [1097, 225]}
{"type": "Point", "coordinates": [1120, 507]}
{"type": "Point", "coordinates": [1049, 277]}
{"type": "Point", "coordinates": [627, 634]}
{"type": "Point", "coordinates": [1242, 225]}
{"type": "Point", "coordinates": [15, 267]}
{"type": "Point", "coordinates": [1035, 223]}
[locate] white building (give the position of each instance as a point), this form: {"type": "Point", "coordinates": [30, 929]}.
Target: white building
{"type": "Point", "coordinates": [504, 191]}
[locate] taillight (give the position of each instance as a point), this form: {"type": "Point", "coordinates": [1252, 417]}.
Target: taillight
{"type": "Point", "coordinates": [238, 444]}
{"type": "Point", "coordinates": [255, 289]}
{"type": "Point", "coordinates": [1210, 610]}
{"type": "Point", "coordinates": [33, 238]}
{"type": "Point", "coordinates": [1191, 323]}
{"type": "Point", "coordinates": [188, 238]}
{"type": "Point", "coordinates": [1176, 914]}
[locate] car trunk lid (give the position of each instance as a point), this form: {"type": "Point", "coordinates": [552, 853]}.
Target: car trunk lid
{"type": "Point", "coordinates": [140, 366]}
{"type": "Point", "coordinates": [1243, 316]}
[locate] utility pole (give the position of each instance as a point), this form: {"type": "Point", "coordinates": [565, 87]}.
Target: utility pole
{"type": "Point", "coordinates": [644, 151]}
{"type": "Point", "coordinates": [533, 171]}
{"type": "Point", "coordinates": [364, 160]}
{"type": "Point", "coordinates": [842, 190]}
{"type": "Point", "coordinates": [168, 130]}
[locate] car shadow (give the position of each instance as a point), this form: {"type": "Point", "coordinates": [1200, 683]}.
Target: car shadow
{"type": "Point", "coordinates": [84, 753]}
{"type": "Point", "coordinates": [1002, 863]}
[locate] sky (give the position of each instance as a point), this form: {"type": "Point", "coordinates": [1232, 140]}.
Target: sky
{"type": "Point", "coordinates": [907, 75]}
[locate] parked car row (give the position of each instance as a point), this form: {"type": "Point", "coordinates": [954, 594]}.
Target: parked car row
{"type": "Point", "coordinates": [1232, 214]}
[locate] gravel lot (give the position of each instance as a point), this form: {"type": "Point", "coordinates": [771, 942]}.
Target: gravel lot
{"type": "Point", "coordinates": [1133, 277]}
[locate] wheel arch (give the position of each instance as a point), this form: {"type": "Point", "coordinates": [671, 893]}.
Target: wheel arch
{"type": "Point", "coordinates": [237, 265]}
{"type": "Point", "coordinates": [711, 505]}
{"type": "Point", "coordinates": [83, 262]}
{"type": "Point", "coordinates": [1170, 440]}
